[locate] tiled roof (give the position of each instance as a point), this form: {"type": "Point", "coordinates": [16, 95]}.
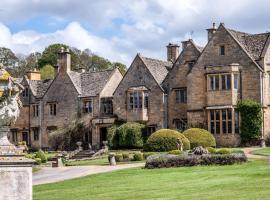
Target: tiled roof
{"type": "Point", "coordinates": [252, 43]}
{"type": "Point", "coordinates": [39, 87]}
{"type": "Point", "coordinates": [90, 83]}
{"type": "Point", "coordinates": [158, 68]}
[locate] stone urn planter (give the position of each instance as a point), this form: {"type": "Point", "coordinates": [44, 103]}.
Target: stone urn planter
{"type": "Point", "coordinates": [111, 158]}
{"type": "Point", "coordinates": [79, 144]}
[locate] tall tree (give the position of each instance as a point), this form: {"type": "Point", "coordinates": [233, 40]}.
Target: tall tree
{"type": "Point", "coordinates": [47, 72]}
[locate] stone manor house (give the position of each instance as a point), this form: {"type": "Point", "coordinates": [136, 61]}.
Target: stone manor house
{"type": "Point", "coordinates": [195, 87]}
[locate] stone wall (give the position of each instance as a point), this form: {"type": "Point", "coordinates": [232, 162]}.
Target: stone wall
{"type": "Point", "coordinates": [138, 75]}
{"type": "Point", "coordinates": [177, 78]}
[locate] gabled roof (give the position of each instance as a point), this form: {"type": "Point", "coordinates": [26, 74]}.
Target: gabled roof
{"type": "Point", "coordinates": [252, 43]}
{"type": "Point", "coordinates": [39, 87]}
{"type": "Point", "coordinates": [158, 68]}
{"type": "Point", "coordinates": [90, 83]}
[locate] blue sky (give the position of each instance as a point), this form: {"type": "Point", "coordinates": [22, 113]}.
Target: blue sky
{"type": "Point", "coordinates": [118, 29]}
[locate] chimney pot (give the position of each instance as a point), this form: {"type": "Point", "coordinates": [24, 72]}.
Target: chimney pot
{"type": "Point", "coordinates": [172, 52]}
{"type": "Point", "coordinates": [211, 31]}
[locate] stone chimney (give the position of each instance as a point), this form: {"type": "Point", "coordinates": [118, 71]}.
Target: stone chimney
{"type": "Point", "coordinates": [211, 31]}
{"type": "Point", "coordinates": [56, 68]}
{"type": "Point", "coordinates": [172, 52]}
{"type": "Point", "coordinates": [33, 75]}
{"type": "Point", "coordinates": [64, 61]}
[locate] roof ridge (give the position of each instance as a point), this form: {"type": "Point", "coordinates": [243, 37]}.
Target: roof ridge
{"type": "Point", "coordinates": [165, 61]}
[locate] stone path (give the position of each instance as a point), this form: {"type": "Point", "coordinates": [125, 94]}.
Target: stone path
{"type": "Point", "coordinates": [248, 151]}
{"type": "Point", "coordinates": [51, 175]}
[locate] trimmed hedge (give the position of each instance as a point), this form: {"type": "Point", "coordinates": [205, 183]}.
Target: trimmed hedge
{"type": "Point", "coordinates": [199, 137]}
{"type": "Point", "coordinates": [165, 140]}
{"type": "Point", "coordinates": [162, 161]}
{"type": "Point", "coordinates": [128, 135]}
{"type": "Point", "coordinates": [40, 154]}
{"type": "Point", "coordinates": [138, 156]}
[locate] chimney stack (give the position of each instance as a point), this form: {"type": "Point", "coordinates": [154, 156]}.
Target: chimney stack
{"type": "Point", "coordinates": [33, 75]}
{"type": "Point", "coordinates": [211, 31]}
{"type": "Point", "coordinates": [172, 52]}
{"type": "Point", "coordinates": [64, 61]}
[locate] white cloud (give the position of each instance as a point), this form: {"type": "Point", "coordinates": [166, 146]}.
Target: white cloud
{"type": "Point", "coordinates": [73, 35]}
{"type": "Point", "coordinates": [145, 27]}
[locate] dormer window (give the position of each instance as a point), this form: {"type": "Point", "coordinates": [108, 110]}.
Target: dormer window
{"type": "Point", "coordinates": [222, 50]}
{"type": "Point", "coordinates": [25, 92]}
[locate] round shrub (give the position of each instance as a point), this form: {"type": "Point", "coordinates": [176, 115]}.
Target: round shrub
{"type": "Point", "coordinates": [165, 140]}
{"type": "Point", "coordinates": [211, 150]}
{"type": "Point", "coordinates": [223, 151]}
{"type": "Point", "coordinates": [175, 152]}
{"type": "Point", "coordinates": [119, 157]}
{"type": "Point", "coordinates": [112, 141]}
{"type": "Point", "coordinates": [125, 156]}
{"type": "Point", "coordinates": [130, 135]}
{"type": "Point", "coordinates": [40, 154]}
{"type": "Point", "coordinates": [200, 137]}
{"type": "Point", "coordinates": [138, 156]}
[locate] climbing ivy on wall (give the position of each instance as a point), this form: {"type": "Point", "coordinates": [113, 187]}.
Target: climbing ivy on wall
{"type": "Point", "coordinates": [251, 120]}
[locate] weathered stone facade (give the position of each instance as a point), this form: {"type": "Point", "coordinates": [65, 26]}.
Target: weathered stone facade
{"type": "Point", "coordinates": [64, 99]}
{"type": "Point", "coordinates": [142, 79]}
{"type": "Point", "coordinates": [200, 88]}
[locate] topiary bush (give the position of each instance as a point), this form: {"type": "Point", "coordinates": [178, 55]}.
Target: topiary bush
{"type": "Point", "coordinates": [211, 150]}
{"type": "Point", "coordinates": [119, 157]}
{"type": "Point", "coordinates": [199, 137]}
{"type": "Point", "coordinates": [165, 140]}
{"type": "Point", "coordinates": [251, 120]}
{"type": "Point", "coordinates": [223, 151]}
{"type": "Point", "coordinates": [138, 156]}
{"type": "Point", "coordinates": [40, 154]}
{"type": "Point", "coordinates": [175, 152]}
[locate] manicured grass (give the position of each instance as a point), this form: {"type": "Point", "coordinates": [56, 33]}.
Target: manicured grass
{"type": "Point", "coordinates": [247, 181]}
{"type": "Point", "coordinates": [262, 151]}
{"type": "Point", "coordinates": [102, 161]}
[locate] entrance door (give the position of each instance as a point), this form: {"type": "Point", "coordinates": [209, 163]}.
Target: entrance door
{"type": "Point", "coordinates": [25, 137]}
{"type": "Point", "coordinates": [103, 135]}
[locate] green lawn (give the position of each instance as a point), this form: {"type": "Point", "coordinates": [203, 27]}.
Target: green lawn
{"type": "Point", "coordinates": [247, 181]}
{"type": "Point", "coordinates": [262, 151]}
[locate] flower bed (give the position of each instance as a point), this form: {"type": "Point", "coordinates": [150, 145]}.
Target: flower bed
{"type": "Point", "coordinates": [186, 160]}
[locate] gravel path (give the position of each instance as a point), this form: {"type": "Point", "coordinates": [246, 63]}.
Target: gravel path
{"type": "Point", "coordinates": [51, 175]}
{"type": "Point", "coordinates": [249, 155]}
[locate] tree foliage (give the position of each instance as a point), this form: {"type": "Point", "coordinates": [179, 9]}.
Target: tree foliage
{"type": "Point", "coordinates": [47, 72]}
{"type": "Point", "coordinates": [251, 120]}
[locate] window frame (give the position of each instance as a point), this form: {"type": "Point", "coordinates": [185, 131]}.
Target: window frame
{"type": "Point", "coordinates": [181, 96]}
{"type": "Point", "coordinates": [52, 109]}
{"type": "Point", "coordinates": [88, 106]}
{"type": "Point", "coordinates": [36, 134]}
{"type": "Point", "coordinates": [35, 110]}
{"type": "Point", "coordinates": [222, 50]}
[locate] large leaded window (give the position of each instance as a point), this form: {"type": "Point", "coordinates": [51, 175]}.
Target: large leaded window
{"type": "Point", "coordinates": [138, 100]}
{"type": "Point", "coordinates": [221, 121]}
{"type": "Point", "coordinates": [88, 106]}
{"type": "Point", "coordinates": [222, 82]}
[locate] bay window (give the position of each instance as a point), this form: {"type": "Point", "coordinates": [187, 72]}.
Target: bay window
{"type": "Point", "coordinates": [220, 121]}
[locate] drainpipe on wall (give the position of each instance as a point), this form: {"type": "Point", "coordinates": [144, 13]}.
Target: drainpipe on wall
{"type": "Point", "coordinates": [29, 117]}
{"type": "Point", "coordinates": [262, 102]}
{"type": "Point", "coordinates": [165, 105]}
{"type": "Point", "coordinates": [40, 123]}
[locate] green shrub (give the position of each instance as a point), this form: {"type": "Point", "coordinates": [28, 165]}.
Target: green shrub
{"type": "Point", "coordinates": [199, 137]}
{"type": "Point", "coordinates": [112, 142]}
{"type": "Point", "coordinates": [40, 154]}
{"type": "Point", "coordinates": [119, 157]}
{"type": "Point", "coordinates": [38, 161]}
{"type": "Point", "coordinates": [138, 156]}
{"type": "Point", "coordinates": [223, 151]}
{"type": "Point", "coordinates": [165, 140]}
{"type": "Point", "coordinates": [175, 152]}
{"type": "Point", "coordinates": [147, 154]}
{"type": "Point", "coordinates": [251, 120]}
{"type": "Point", "coordinates": [125, 156]}
{"type": "Point", "coordinates": [161, 161]}
{"type": "Point", "coordinates": [211, 150]}
{"type": "Point", "coordinates": [130, 135]}
{"type": "Point", "coordinates": [30, 156]}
